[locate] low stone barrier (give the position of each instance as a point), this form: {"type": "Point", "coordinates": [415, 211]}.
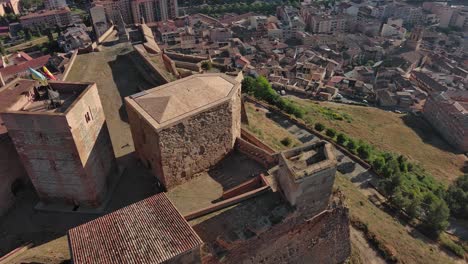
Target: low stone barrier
{"type": "Point", "coordinates": [260, 155]}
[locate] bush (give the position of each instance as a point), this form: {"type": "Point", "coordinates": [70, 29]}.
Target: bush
{"type": "Point", "coordinates": [453, 247]}
{"type": "Point", "coordinates": [457, 197]}
{"type": "Point", "coordinates": [319, 127]}
{"type": "Point", "coordinates": [364, 151]}
{"type": "Point", "coordinates": [341, 139]}
{"type": "Point", "coordinates": [330, 132]}
{"type": "Point", "coordinates": [286, 141]}
{"type": "Point", "coordinates": [352, 145]}
{"type": "Point", "coordinates": [261, 89]}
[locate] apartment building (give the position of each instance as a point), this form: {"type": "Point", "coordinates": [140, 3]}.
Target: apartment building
{"type": "Point", "coordinates": [447, 113]}
{"type": "Point", "coordinates": [328, 24]}
{"type": "Point", "coordinates": [153, 10]}
{"type": "Point", "coordinates": [47, 18]}
{"type": "Point", "coordinates": [55, 4]}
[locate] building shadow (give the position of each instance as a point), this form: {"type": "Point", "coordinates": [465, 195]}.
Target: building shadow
{"type": "Point", "coordinates": [427, 133]}
{"type": "Point", "coordinates": [127, 79]}
{"type": "Point", "coordinates": [234, 169]}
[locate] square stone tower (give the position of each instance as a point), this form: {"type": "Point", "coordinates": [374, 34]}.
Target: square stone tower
{"type": "Point", "coordinates": [61, 136]}
{"type": "Point", "coordinates": [185, 127]}
{"type": "Point", "coordinates": [306, 176]}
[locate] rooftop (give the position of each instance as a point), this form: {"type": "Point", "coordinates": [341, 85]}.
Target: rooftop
{"type": "Point", "coordinates": [149, 231]}
{"type": "Point", "coordinates": [170, 102]}
{"type": "Point", "coordinates": [309, 159]}
{"type": "Point", "coordinates": [55, 98]}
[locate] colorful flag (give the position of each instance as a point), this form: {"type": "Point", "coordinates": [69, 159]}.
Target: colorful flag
{"type": "Point", "coordinates": [47, 72]}
{"type": "Point", "coordinates": [38, 76]}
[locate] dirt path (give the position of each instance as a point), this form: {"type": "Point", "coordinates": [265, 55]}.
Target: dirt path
{"type": "Point", "coordinates": [367, 254]}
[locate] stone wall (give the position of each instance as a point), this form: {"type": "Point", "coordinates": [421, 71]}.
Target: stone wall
{"type": "Point", "coordinates": [199, 142]}
{"type": "Point", "coordinates": [66, 158]}
{"type": "Point", "coordinates": [93, 145]}
{"type": "Point", "coordinates": [11, 170]}
{"type": "Point", "coordinates": [323, 239]}
{"type": "Point", "coordinates": [259, 155]}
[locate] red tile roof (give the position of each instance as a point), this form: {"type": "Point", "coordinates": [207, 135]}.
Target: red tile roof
{"type": "Point", "coordinates": [149, 231]}
{"type": "Point", "coordinates": [9, 95]}
{"type": "Point", "coordinates": [23, 67]}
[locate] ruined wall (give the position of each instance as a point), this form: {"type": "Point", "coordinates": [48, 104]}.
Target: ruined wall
{"type": "Point", "coordinates": [199, 142]}
{"type": "Point", "coordinates": [48, 153]}
{"type": "Point", "coordinates": [323, 239]}
{"type": "Point", "coordinates": [188, 257]}
{"type": "Point", "coordinates": [11, 170]}
{"type": "Point", "coordinates": [89, 131]}
{"type": "Point", "coordinates": [256, 153]}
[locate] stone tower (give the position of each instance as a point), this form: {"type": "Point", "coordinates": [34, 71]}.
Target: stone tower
{"type": "Point", "coordinates": [415, 38]}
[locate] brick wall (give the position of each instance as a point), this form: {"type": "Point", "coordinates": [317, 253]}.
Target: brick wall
{"type": "Point", "coordinates": [256, 153]}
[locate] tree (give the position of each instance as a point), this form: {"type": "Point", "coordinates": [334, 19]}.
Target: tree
{"type": "Point", "coordinates": [50, 36]}
{"type": "Point", "coordinates": [457, 197]}
{"type": "Point", "coordinates": [351, 145]}
{"type": "Point", "coordinates": [437, 215]}
{"type": "Point", "coordinates": [319, 127]}
{"type": "Point", "coordinates": [364, 151]}
{"type": "Point", "coordinates": [330, 132]}
{"type": "Point", "coordinates": [414, 207]}
{"type": "Point", "coordinates": [206, 65]}
{"type": "Point", "coordinates": [27, 34]}
{"type": "Point", "coordinates": [378, 163]}
{"type": "Point", "coordinates": [286, 141]}
{"type": "Point", "coordinates": [341, 139]}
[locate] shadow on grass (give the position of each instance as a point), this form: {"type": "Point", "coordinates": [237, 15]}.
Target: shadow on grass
{"type": "Point", "coordinates": [427, 133]}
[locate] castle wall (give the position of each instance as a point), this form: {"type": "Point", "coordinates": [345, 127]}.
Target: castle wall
{"type": "Point", "coordinates": [11, 170]}
{"type": "Point", "coordinates": [323, 239]}
{"type": "Point", "coordinates": [89, 131]}
{"type": "Point", "coordinates": [198, 142]}
{"type": "Point", "coordinates": [48, 153]}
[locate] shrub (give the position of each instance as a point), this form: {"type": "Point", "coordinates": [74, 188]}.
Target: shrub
{"type": "Point", "coordinates": [341, 139]}
{"type": "Point", "coordinates": [330, 132]}
{"type": "Point", "coordinates": [352, 145]}
{"type": "Point", "coordinates": [319, 127]}
{"type": "Point", "coordinates": [364, 151]}
{"type": "Point", "coordinates": [457, 197]}
{"type": "Point", "coordinates": [453, 247]}
{"type": "Point", "coordinates": [286, 141]}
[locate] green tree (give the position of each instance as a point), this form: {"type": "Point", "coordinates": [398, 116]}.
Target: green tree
{"type": "Point", "coordinates": [457, 197]}
{"type": "Point", "coordinates": [378, 163]}
{"type": "Point", "coordinates": [364, 151]}
{"type": "Point", "coordinates": [437, 215]}
{"type": "Point", "coordinates": [319, 127]}
{"type": "Point", "coordinates": [352, 145]}
{"type": "Point", "coordinates": [330, 132]}
{"type": "Point", "coordinates": [341, 139]}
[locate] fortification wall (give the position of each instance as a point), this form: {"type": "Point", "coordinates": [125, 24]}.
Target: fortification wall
{"type": "Point", "coordinates": [259, 155]}
{"type": "Point", "coordinates": [199, 142]}
{"type": "Point", "coordinates": [11, 170]}
{"type": "Point", "coordinates": [323, 239]}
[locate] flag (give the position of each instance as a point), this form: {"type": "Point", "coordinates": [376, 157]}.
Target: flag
{"type": "Point", "coordinates": [47, 72]}
{"type": "Point", "coordinates": [38, 76]}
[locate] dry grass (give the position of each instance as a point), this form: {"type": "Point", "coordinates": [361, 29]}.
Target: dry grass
{"type": "Point", "coordinates": [410, 246]}
{"type": "Point", "coordinates": [267, 130]}
{"type": "Point", "coordinates": [405, 134]}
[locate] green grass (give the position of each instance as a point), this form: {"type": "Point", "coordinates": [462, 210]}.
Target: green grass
{"type": "Point", "coordinates": [408, 135]}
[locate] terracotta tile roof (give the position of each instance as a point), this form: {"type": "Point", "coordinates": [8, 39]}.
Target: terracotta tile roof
{"type": "Point", "coordinates": [149, 231]}
{"type": "Point", "coordinates": [43, 13]}
{"type": "Point", "coordinates": [23, 67]}
{"type": "Point", "coordinates": [9, 95]}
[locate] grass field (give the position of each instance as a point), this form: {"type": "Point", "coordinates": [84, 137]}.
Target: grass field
{"type": "Point", "coordinates": [267, 130]}
{"type": "Point", "coordinates": [409, 245]}
{"type": "Point", "coordinates": [404, 134]}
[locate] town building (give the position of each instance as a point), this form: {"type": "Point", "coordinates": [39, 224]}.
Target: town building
{"type": "Point", "coordinates": [153, 10]}
{"type": "Point", "coordinates": [328, 24]}
{"type": "Point", "coordinates": [47, 19]}
{"type": "Point", "coordinates": [19, 65]}
{"type": "Point", "coordinates": [74, 38]}
{"type": "Point", "coordinates": [55, 4]}
{"type": "Point", "coordinates": [99, 18]}
{"type": "Point", "coordinates": [10, 6]}
{"type": "Point", "coordinates": [61, 136]}
{"type": "Point", "coordinates": [447, 113]}
{"type": "Point", "coordinates": [117, 9]}
{"type": "Point", "coordinates": [170, 125]}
